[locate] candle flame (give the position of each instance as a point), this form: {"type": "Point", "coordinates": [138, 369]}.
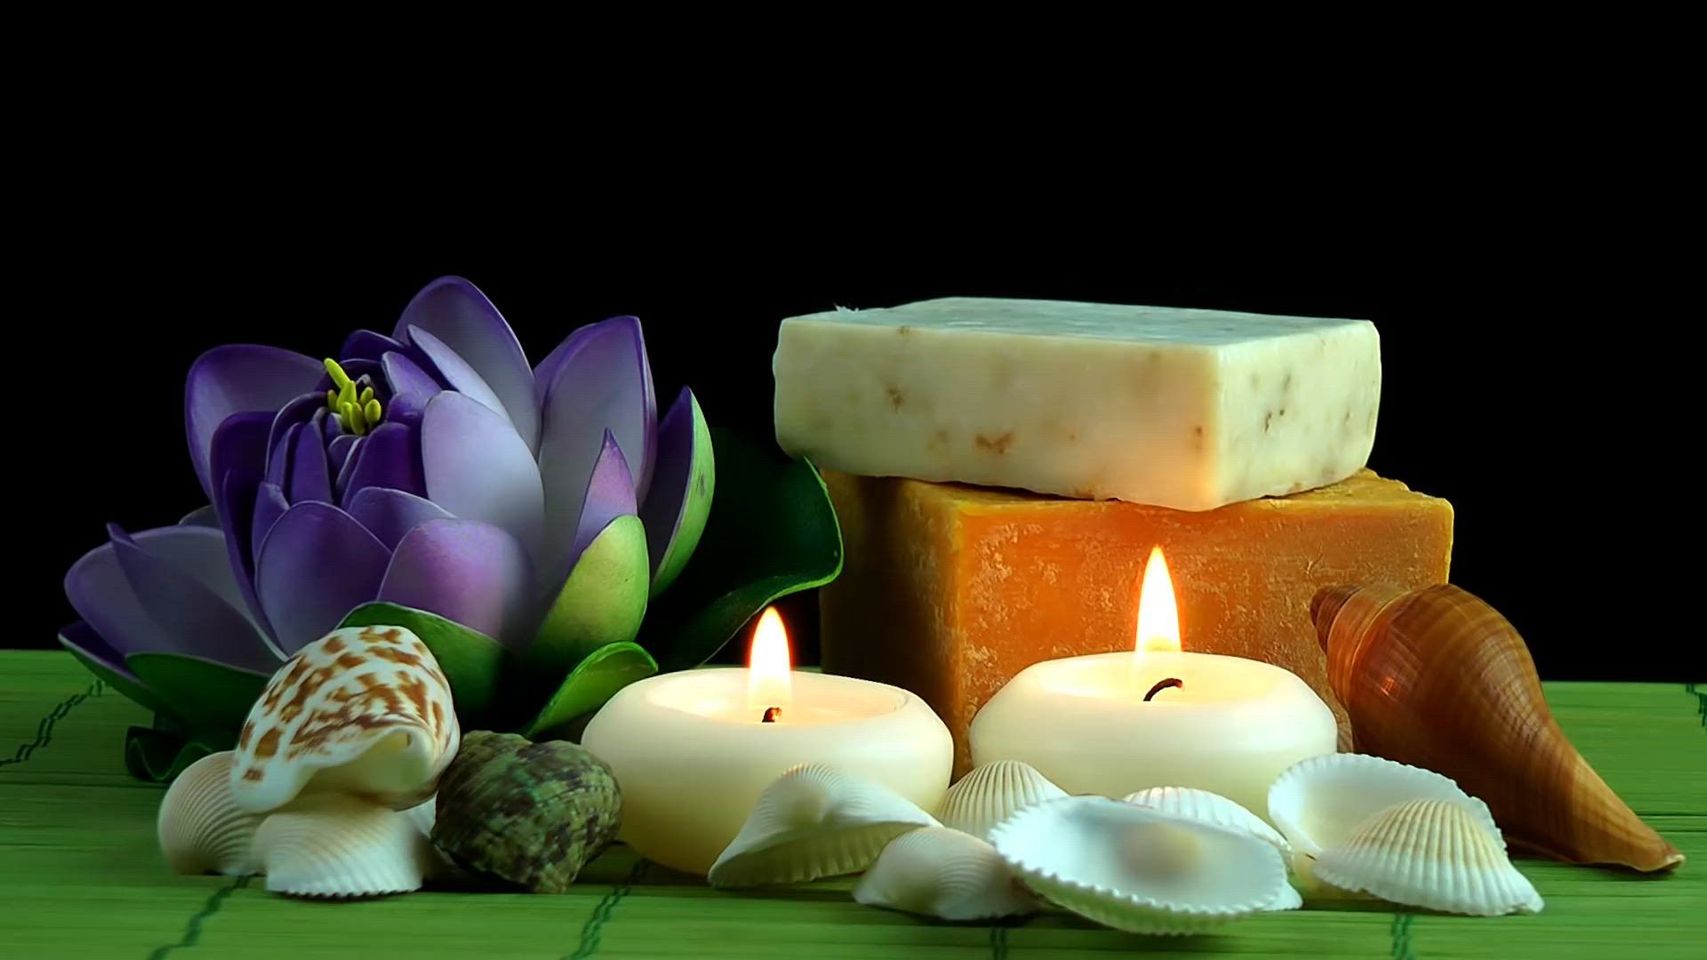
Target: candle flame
{"type": "Point", "coordinates": [768, 667]}
{"type": "Point", "coordinates": [1158, 611]}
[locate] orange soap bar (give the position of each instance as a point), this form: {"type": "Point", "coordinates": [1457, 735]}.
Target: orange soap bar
{"type": "Point", "coordinates": [951, 590]}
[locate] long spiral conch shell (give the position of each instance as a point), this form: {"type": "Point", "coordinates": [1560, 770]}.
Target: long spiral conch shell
{"type": "Point", "coordinates": [1437, 678]}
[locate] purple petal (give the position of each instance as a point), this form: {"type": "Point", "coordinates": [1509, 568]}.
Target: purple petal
{"type": "Point", "coordinates": [411, 387]}
{"type": "Point", "coordinates": [310, 476]}
{"type": "Point", "coordinates": [338, 452]}
{"type": "Point", "coordinates": [473, 573]}
{"type": "Point", "coordinates": [278, 457]}
{"type": "Point", "coordinates": [239, 378]}
{"type": "Point", "coordinates": [479, 469]}
{"type": "Point", "coordinates": [102, 595]}
{"type": "Point", "coordinates": [546, 373]}
{"type": "Point", "coordinates": [667, 503]}
{"type": "Point", "coordinates": [239, 461]}
{"type": "Point", "coordinates": [183, 578]}
{"type": "Point", "coordinates": [609, 494]}
{"type": "Point", "coordinates": [270, 505]}
{"type": "Point", "coordinates": [391, 514]}
{"type": "Point", "coordinates": [366, 345]}
{"type": "Point", "coordinates": [201, 517]}
{"type": "Point", "coordinates": [300, 410]}
{"type": "Point", "coordinates": [456, 313]}
{"type": "Point", "coordinates": [81, 637]}
{"type": "Point", "coordinates": [348, 470]}
{"type": "Point", "coordinates": [457, 372]}
{"type": "Point", "coordinates": [389, 457]}
{"type": "Point", "coordinates": [317, 565]}
{"type": "Point", "coordinates": [602, 384]}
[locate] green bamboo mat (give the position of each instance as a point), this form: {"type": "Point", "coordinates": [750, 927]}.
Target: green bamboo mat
{"type": "Point", "coordinates": [80, 877]}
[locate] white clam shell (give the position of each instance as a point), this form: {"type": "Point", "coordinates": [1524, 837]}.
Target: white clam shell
{"type": "Point", "coordinates": [328, 845]}
{"type": "Point", "coordinates": [815, 821]}
{"type": "Point", "coordinates": [363, 711]}
{"type": "Point", "coordinates": [200, 826]}
{"type": "Point", "coordinates": [938, 872]}
{"type": "Point", "coordinates": [1202, 805]}
{"type": "Point", "coordinates": [1435, 854]}
{"type": "Point", "coordinates": [1317, 802]}
{"type": "Point", "coordinates": [992, 793]}
{"type": "Point", "coordinates": [1140, 870]}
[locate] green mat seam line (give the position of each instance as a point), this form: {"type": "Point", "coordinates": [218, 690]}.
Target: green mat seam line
{"type": "Point", "coordinates": [1403, 944]}
{"type": "Point", "coordinates": [193, 929]}
{"type": "Point", "coordinates": [593, 929]}
{"type": "Point", "coordinates": [44, 729]}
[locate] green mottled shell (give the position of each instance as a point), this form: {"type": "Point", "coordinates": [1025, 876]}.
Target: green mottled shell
{"type": "Point", "coordinates": [529, 813]}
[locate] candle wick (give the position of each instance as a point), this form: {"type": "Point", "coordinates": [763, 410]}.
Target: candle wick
{"type": "Point", "coordinates": [1163, 685]}
{"type": "Point", "coordinates": [772, 715]}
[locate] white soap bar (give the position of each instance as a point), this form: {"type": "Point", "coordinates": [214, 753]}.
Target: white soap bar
{"type": "Point", "coordinates": [1189, 409]}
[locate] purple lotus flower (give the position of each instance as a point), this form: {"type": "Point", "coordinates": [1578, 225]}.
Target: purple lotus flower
{"type": "Point", "coordinates": [432, 468]}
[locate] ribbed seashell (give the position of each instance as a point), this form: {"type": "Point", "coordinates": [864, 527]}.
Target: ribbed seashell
{"type": "Point", "coordinates": [1141, 870]}
{"type": "Point", "coordinates": [943, 873]}
{"type": "Point", "coordinates": [1437, 678]}
{"type": "Point", "coordinates": [815, 821]}
{"type": "Point", "coordinates": [330, 845]}
{"type": "Point", "coordinates": [200, 827]}
{"type": "Point", "coordinates": [531, 814]}
{"type": "Point", "coordinates": [1433, 854]}
{"type": "Point", "coordinates": [992, 793]}
{"type": "Point", "coordinates": [1194, 804]}
{"type": "Point", "coordinates": [1317, 802]}
{"type": "Point", "coordinates": [364, 711]}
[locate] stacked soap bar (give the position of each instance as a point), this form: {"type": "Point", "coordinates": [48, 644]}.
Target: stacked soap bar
{"type": "Point", "coordinates": [1189, 409]}
{"type": "Point", "coordinates": [951, 590]}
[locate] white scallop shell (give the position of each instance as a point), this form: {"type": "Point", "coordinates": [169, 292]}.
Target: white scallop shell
{"type": "Point", "coordinates": [992, 793]}
{"type": "Point", "coordinates": [1317, 802]}
{"type": "Point", "coordinates": [1140, 870]}
{"type": "Point", "coordinates": [1194, 804]}
{"type": "Point", "coordinates": [329, 845]}
{"type": "Point", "coordinates": [363, 711]}
{"type": "Point", "coordinates": [815, 821]}
{"type": "Point", "coordinates": [1435, 854]}
{"type": "Point", "coordinates": [200, 827]}
{"type": "Point", "coordinates": [943, 873]}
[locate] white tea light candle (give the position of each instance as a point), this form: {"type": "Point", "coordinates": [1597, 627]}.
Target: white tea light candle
{"type": "Point", "coordinates": [693, 750]}
{"type": "Point", "coordinates": [1116, 723]}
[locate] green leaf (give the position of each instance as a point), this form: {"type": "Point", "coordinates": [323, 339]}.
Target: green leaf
{"type": "Point", "coordinates": [476, 665]}
{"type": "Point", "coordinates": [696, 505]}
{"type": "Point", "coordinates": [159, 754]}
{"type": "Point", "coordinates": [601, 603]}
{"type": "Point", "coordinates": [597, 679]}
{"type": "Point", "coordinates": [772, 532]}
{"type": "Point", "coordinates": [205, 695]}
{"type": "Point", "coordinates": [133, 691]}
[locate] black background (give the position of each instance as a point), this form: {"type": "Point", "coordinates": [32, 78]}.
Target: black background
{"type": "Point", "coordinates": [1532, 366]}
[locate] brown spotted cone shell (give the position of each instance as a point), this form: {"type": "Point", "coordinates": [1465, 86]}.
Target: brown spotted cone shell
{"type": "Point", "coordinates": [531, 814]}
{"type": "Point", "coordinates": [1437, 678]}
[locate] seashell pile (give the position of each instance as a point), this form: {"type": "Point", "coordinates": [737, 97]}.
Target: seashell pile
{"type": "Point", "coordinates": [1167, 860]}
{"type": "Point", "coordinates": [531, 814]}
{"type": "Point", "coordinates": [329, 790]}
{"type": "Point", "coordinates": [1363, 825]}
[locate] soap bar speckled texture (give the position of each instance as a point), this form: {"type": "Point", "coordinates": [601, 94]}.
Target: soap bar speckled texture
{"type": "Point", "coordinates": [949, 591]}
{"type": "Point", "coordinates": [1190, 409]}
